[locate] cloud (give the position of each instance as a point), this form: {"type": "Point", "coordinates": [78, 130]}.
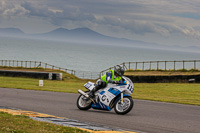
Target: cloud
{"type": "Point", "coordinates": [162, 17]}
{"type": "Point", "coordinates": [193, 15]}
{"type": "Point", "coordinates": [9, 9]}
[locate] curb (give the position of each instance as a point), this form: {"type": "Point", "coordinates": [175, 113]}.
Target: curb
{"type": "Point", "coordinates": [63, 121]}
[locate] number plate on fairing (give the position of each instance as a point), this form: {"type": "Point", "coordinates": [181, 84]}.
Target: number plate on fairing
{"type": "Point", "coordinates": [89, 85]}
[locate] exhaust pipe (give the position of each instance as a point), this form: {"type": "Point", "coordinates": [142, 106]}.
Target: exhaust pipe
{"type": "Point", "coordinates": [83, 93]}
{"type": "Point", "coordinates": [86, 95]}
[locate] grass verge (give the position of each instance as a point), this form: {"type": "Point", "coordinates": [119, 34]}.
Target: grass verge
{"type": "Point", "coordinates": [20, 124]}
{"type": "Point", "coordinates": [69, 86]}
{"type": "Point", "coordinates": [183, 93]}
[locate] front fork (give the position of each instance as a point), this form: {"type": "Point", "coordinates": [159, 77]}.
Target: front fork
{"type": "Point", "coordinates": [122, 98]}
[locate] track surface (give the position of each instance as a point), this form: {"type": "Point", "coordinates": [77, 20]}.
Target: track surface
{"type": "Point", "coordinates": [146, 116]}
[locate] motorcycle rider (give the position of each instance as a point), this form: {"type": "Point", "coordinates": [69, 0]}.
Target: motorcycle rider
{"type": "Point", "coordinates": [112, 76]}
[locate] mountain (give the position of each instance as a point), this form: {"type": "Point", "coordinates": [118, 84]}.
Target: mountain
{"type": "Point", "coordinates": [10, 32]}
{"type": "Point", "coordinates": [79, 33]}
{"type": "Point", "coordinates": [88, 36]}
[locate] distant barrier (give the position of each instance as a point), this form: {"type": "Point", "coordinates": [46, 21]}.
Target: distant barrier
{"type": "Point", "coordinates": [41, 75]}
{"type": "Point", "coordinates": [37, 64]}
{"type": "Point", "coordinates": [159, 65]}
{"type": "Point", "coordinates": [148, 65]}
{"type": "Point", "coordinates": [165, 79]}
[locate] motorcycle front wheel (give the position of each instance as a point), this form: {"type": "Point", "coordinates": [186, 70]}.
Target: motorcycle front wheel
{"type": "Point", "coordinates": [125, 107]}
{"type": "Point", "coordinates": [83, 103]}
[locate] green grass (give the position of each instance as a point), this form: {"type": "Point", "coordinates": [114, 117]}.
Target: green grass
{"type": "Point", "coordinates": [70, 86]}
{"type": "Point", "coordinates": [23, 124]}
{"type": "Point", "coordinates": [183, 93]}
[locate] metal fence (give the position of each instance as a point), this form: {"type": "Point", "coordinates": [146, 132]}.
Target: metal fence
{"type": "Point", "coordinates": [148, 65]}
{"type": "Point", "coordinates": [86, 74]}
{"type": "Point", "coordinates": [37, 64]}
{"type": "Point", "coordinates": [159, 65]}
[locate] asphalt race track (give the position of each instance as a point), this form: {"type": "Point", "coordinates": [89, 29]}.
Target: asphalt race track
{"type": "Point", "coordinates": [146, 116]}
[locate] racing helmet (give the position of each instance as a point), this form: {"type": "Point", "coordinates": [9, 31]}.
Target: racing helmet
{"type": "Point", "coordinates": [119, 70]}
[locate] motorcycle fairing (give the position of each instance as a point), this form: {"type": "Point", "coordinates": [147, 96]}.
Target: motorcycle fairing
{"type": "Point", "coordinates": [107, 95]}
{"type": "Point", "coordinates": [101, 106]}
{"type": "Point", "coordinates": [89, 85]}
{"type": "Point", "coordinates": [114, 91]}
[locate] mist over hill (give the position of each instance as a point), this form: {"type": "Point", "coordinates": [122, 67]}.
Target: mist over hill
{"type": "Point", "coordinates": [11, 32]}
{"type": "Point", "coordinates": [88, 36]}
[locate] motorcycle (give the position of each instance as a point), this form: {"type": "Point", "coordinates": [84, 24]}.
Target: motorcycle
{"type": "Point", "coordinates": [117, 96]}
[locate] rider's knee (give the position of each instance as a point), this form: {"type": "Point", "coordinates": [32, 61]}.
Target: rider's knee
{"type": "Point", "coordinates": [100, 83]}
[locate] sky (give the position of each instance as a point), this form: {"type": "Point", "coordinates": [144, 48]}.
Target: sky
{"type": "Point", "coordinates": [166, 22]}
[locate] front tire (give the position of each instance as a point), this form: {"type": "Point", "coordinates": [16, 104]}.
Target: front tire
{"type": "Point", "coordinates": [83, 103]}
{"type": "Point", "coordinates": [125, 107]}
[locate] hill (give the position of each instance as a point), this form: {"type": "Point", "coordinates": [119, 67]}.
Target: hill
{"type": "Point", "coordinates": [78, 35]}
{"type": "Point", "coordinates": [11, 32]}
{"type": "Point", "coordinates": [88, 36]}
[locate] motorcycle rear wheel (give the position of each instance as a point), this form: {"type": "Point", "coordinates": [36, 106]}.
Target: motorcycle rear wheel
{"type": "Point", "coordinates": [83, 103]}
{"type": "Point", "coordinates": [125, 107]}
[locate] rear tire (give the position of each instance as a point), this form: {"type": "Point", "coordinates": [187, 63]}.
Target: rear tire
{"type": "Point", "coordinates": [83, 103]}
{"type": "Point", "coordinates": [126, 107]}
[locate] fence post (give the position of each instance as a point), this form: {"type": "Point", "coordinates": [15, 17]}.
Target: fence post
{"type": "Point", "coordinates": [71, 71]}
{"type": "Point", "coordinates": [129, 65]}
{"type": "Point", "coordinates": [157, 65]}
{"type": "Point", "coordinates": [150, 66]}
{"type": "Point", "coordinates": [136, 66]}
{"type": "Point", "coordinates": [74, 72]}
{"type": "Point", "coordinates": [123, 65]}
{"type": "Point", "coordinates": [174, 65]}
{"type": "Point", "coordinates": [183, 65]}
{"type": "Point", "coordinates": [165, 65]}
{"type": "Point", "coordinates": [194, 64]}
{"type": "Point", "coordinates": [143, 66]}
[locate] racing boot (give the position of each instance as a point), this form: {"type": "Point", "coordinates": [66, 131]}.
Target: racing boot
{"type": "Point", "coordinates": [91, 93]}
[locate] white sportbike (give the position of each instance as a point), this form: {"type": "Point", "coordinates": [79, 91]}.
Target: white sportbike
{"type": "Point", "coordinates": [117, 96]}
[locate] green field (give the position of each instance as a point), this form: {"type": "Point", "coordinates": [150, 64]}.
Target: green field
{"type": "Point", "coordinates": [183, 93]}
{"type": "Point", "coordinates": [23, 124]}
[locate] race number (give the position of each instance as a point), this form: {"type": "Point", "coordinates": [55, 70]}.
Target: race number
{"type": "Point", "coordinates": [89, 85]}
{"type": "Point", "coordinates": [130, 88]}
